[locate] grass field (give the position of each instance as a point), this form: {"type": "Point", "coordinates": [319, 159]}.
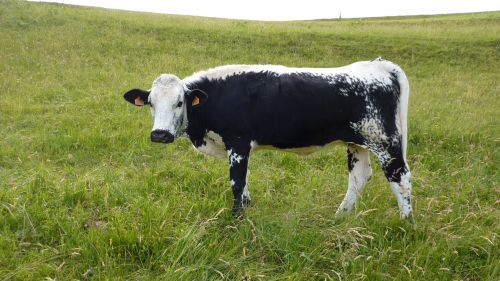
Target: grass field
{"type": "Point", "coordinates": [85, 195]}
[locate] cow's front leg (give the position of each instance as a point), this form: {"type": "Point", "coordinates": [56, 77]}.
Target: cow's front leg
{"type": "Point", "coordinates": [238, 155]}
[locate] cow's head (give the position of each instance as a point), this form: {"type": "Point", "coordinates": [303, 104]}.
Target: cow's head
{"type": "Point", "coordinates": [169, 100]}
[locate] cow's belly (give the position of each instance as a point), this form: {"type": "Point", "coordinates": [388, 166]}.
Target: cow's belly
{"type": "Point", "coordinates": [214, 146]}
{"type": "Point", "coordinates": [305, 150]}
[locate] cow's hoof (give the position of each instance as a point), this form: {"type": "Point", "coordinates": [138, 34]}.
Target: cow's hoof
{"type": "Point", "coordinates": [412, 221]}
{"type": "Point", "coordinates": [238, 212]}
{"type": "Point", "coordinates": [343, 211]}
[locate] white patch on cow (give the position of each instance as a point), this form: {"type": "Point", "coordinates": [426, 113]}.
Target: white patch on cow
{"type": "Point", "coordinates": [233, 157]}
{"type": "Point", "coordinates": [225, 71]}
{"type": "Point", "coordinates": [358, 176]}
{"type": "Point", "coordinates": [402, 109]}
{"type": "Point", "coordinates": [233, 182]}
{"type": "Point", "coordinates": [366, 71]}
{"type": "Point", "coordinates": [402, 191]}
{"type": "Point", "coordinates": [371, 128]}
{"type": "Point", "coordinates": [253, 145]}
{"type": "Point", "coordinates": [214, 146]}
{"type": "Point", "coordinates": [246, 193]}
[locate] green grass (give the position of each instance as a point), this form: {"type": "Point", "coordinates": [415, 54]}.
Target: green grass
{"type": "Point", "coordinates": [85, 195]}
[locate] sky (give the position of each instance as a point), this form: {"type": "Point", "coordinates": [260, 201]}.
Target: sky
{"type": "Point", "coordinates": [281, 10]}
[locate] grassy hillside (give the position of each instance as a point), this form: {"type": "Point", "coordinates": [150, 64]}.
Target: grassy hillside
{"type": "Point", "coordinates": [85, 195]}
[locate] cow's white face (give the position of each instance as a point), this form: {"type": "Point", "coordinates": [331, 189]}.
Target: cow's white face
{"type": "Point", "coordinates": [169, 101]}
{"type": "Point", "coordinates": [168, 109]}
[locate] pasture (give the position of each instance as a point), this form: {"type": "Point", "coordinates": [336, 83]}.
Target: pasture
{"type": "Point", "coordinates": [85, 195]}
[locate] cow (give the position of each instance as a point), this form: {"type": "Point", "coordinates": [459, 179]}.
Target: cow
{"type": "Point", "coordinates": [233, 110]}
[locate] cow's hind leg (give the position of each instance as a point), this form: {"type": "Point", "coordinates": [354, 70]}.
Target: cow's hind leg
{"type": "Point", "coordinates": [398, 174]}
{"type": "Point", "coordinates": [360, 171]}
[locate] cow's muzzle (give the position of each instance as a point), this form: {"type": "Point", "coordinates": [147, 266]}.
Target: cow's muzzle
{"type": "Point", "coordinates": [162, 136]}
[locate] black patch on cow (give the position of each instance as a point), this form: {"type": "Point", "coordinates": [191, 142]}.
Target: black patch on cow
{"type": "Point", "coordinates": [385, 98]}
{"type": "Point", "coordinates": [351, 160]}
{"type": "Point", "coordinates": [284, 111]}
{"type": "Point", "coordinates": [396, 166]}
{"type": "Point", "coordinates": [290, 110]}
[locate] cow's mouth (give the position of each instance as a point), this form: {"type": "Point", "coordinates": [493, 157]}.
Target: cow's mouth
{"type": "Point", "coordinates": [161, 136]}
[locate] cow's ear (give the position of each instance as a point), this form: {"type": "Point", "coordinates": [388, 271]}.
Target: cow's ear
{"type": "Point", "coordinates": [137, 97]}
{"type": "Point", "coordinates": [196, 97]}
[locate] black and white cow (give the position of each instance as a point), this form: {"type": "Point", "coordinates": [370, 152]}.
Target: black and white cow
{"type": "Point", "coordinates": [233, 110]}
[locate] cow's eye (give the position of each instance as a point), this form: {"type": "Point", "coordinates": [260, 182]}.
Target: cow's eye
{"type": "Point", "coordinates": [179, 104]}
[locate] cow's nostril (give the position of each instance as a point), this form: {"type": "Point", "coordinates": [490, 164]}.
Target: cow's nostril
{"type": "Point", "coordinates": [162, 136]}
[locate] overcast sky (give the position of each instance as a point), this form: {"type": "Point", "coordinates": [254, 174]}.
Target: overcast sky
{"type": "Point", "coordinates": [294, 10]}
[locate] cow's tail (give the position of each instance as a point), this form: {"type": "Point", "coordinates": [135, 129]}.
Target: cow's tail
{"type": "Point", "coordinates": [404, 95]}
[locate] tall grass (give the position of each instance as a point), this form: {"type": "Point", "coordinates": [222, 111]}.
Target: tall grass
{"type": "Point", "coordinates": [85, 195]}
